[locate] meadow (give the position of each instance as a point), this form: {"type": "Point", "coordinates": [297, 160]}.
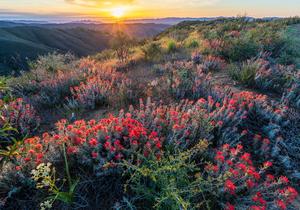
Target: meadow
{"type": "Point", "coordinates": [205, 115]}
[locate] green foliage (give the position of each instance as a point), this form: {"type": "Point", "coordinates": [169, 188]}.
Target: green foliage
{"type": "Point", "coordinates": [179, 35]}
{"type": "Point", "coordinates": [152, 52]}
{"type": "Point", "coordinates": [245, 73]}
{"type": "Point", "coordinates": [8, 145]}
{"type": "Point", "coordinates": [5, 91]}
{"type": "Point", "coordinates": [193, 44]}
{"type": "Point", "coordinates": [262, 74]}
{"type": "Point", "coordinates": [171, 48]}
{"type": "Point", "coordinates": [238, 40]}
{"type": "Point", "coordinates": [53, 62]}
{"type": "Point", "coordinates": [168, 183]}
{"type": "Point", "coordinates": [241, 49]}
{"type": "Point", "coordinates": [49, 81]}
{"type": "Point", "coordinates": [45, 177]}
{"type": "Point", "coordinates": [291, 53]}
{"type": "Point", "coordinates": [5, 130]}
{"type": "Point", "coordinates": [3, 85]}
{"type": "Point", "coordinates": [10, 153]}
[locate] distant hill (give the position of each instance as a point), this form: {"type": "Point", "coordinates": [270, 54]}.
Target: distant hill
{"type": "Point", "coordinates": [176, 20]}
{"type": "Point", "coordinates": [20, 42]}
{"type": "Point", "coordinates": [169, 20]}
{"type": "Point", "coordinates": [10, 24]}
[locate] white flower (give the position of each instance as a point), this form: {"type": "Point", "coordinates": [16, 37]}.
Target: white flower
{"type": "Point", "coordinates": [46, 204]}
{"type": "Point", "coordinates": [42, 175]}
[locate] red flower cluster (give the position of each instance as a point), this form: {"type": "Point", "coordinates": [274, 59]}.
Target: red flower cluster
{"type": "Point", "coordinates": [188, 121]}
{"type": "Point", "coordinates": [229, 186]}
{"type": "Point", "coordinates": [242, 181]}
{"type": "Point", "coordinates": [111, 139]}
{"type": "Point", "coordinates": [179, 125]}
{"type": "Point", "coordinates": [19, 115]}
{"type": "Point", "coordinates": [33, 150]}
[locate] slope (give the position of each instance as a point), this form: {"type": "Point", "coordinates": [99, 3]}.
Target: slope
{"type": "Point", "coordinates": [22, 43]}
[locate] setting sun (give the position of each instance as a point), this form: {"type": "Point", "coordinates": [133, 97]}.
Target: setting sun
{"type": "Point", "coordinates": [118, 12]}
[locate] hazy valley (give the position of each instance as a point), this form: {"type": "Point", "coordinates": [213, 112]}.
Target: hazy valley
{"type": "Point", "coordinates": [20, 43]}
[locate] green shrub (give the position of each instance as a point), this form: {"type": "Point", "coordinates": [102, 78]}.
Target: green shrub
{"type": "Point", "coordinates": [5, 91]}
{"type": "Point", "coordinates": [167, 183]}
{"type": "Point", "coordinates": [152, 52]}
{"type": "Point", "coordinates": [263, 74]}
{"type": "Point", "coordinates": [3, 84]}
{"type": "Point", "coordinates": [234, 71]}
{"type": "Point", "coordinates": [48, 83]}
{"type": "Point", "coordinates": [290, 54]}
{"type": "Point", "coordinates": [240, 49]}
{"type": "Point", "coordinates": [193, 44]}
{"type": "Point", "coordinates": [245, 73]}
{"type": "Point", "coordinates": [105, 55]}
{"type": "Point", "coordinates": [172, 48]}
{"type": "Point", "coordinates": [288, 57]}
{"type": "Point", "coordinates": [53, 62]}
{"type": "Point", "coordinates": [6, 138]}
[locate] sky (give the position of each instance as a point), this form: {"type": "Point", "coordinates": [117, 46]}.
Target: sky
{"type": "Point", "coordinates": [136, 9]}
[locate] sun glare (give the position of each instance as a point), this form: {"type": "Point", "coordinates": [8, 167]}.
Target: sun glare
{"type": "Point", "coordinates": [118, 12]}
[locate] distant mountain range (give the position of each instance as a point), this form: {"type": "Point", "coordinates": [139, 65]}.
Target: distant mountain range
{"type": "Point", "coordinates": [91, 20]}
{"type": "Point", "coordinates": [176, 20]}
{"type": "Point", "coordinates": [169, 20]}
{"type": "Point", "coordinates": [21, 42]}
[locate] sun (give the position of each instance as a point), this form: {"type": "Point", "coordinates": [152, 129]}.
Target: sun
{"type": "Point", "coordinates": [118, 12]}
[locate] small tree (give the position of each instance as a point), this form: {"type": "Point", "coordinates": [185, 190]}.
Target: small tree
{"type": "Point", "coordinates": [121, 44]}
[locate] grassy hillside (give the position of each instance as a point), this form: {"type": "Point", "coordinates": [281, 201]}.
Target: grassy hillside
{"type": "Point", "coordinates": [22, 43]}
{"type": "Point", "coordinates": [294, 33]}
{"type": "Point", "coordinates": [136, 30]}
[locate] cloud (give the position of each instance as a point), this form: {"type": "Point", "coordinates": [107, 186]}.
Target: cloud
{"type": "Point", "coordinates": [92, 3]}
{"type": "Point", "coordinates": [208, 2]}
{"type": "Point", "coordinates": [194, 2]}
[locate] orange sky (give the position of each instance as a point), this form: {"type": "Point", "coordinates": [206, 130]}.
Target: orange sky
{"type": "Point", "coordinates": [155, 8]}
